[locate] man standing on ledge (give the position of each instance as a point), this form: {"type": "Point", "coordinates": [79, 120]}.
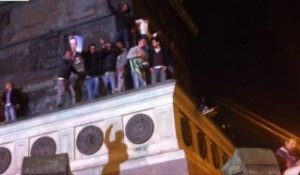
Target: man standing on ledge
{"type": "Point", "coordinates": [63, 84]}
{"type": "Point", "coordinates": [10, 101]}
{"type": "Point", "coordinates": [124, 23]}
{"type": "Point", "coordinates": [92, 70]}
{"type": "Point", "coordinates": [138, 60]}
{"type": "Point", "coordinates": [159, 62]}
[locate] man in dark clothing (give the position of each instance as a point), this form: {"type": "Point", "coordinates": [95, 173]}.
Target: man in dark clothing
{"type": "Point", "coordinates": [11, 102]}
{"type": "Point", "coordinates": [121, 67]}
{"type": "Point", "coordinates": [159, 61]}
{"type": "Point", "coordinates": [109, 68]}
{"type": "Point", "coordinates": [124, 23]}
{"type": "Point", "coordinates": [92, 67]}
{"type": "Point", "coordinates": [63, 84]}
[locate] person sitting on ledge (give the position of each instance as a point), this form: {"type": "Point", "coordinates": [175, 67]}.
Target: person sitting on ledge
{"type": "Point", "coordinates": [288, 162]}
{"type": "Point", "coordinates": [205, 110]}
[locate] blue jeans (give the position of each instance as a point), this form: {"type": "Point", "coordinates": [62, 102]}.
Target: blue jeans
{"type": "Point", "coordinates": [92, 86]}
{"type": "Point", "coordinates": [123, 35]}
{"type": "Point", "coordinates": [10, 113]}
{"type": "Point", "coordinates": [138, 81]}
{"type": "Point", "coordinates": [120, 81]}
{"type": "Point", "coordinates": [109, 78]}
{"type": "Point", "coordinates": [158, 74]}
{"type": "Point", "coordinates": [64, 86]}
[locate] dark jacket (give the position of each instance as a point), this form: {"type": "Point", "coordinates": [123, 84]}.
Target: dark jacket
{"type": "Point", "coordinates": [92, 62]}
{"type": "Point", "coordinates": [166, 60]}
{"type": "Point", "coordinates": [14, 97]}
{"type": "Point", "coordinates": [124, 20]}
{"type": "Point", "coordinates": [66, 68]}
{"type": "Point", "coordinates": [110, 60]}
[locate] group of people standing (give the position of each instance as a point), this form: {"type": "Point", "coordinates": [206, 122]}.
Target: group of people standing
{"type": "Point", "coordinates": [116, 66]}
{"type": "Point", "coordinates": [110, 66]}
{"type": "Point", "coordinates": [146, 62]}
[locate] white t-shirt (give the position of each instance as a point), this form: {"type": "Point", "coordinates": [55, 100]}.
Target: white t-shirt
{"type": "Point", "coordinates": [143, 26]}
{"type": "Point", "coordinates": [292, 171]}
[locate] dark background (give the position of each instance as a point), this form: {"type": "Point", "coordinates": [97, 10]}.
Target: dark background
{"type": "Point", "coordinates": [248, 51]}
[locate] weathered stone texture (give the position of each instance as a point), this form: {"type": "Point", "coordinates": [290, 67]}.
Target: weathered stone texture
{"type": "Point", "coordinates": [33, 37]}
{"type": "Point", "coordinates": [35, 18]}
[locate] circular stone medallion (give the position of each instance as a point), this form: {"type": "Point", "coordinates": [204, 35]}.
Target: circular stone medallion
{"type": "Point", "coordinates": [139, 128]}
{"type": "Point", "coordinates": [89, 140]}
{"type": "Point", "coordinates": [5, 159]}
{"type": "Point", "coordinates": [44, 146]}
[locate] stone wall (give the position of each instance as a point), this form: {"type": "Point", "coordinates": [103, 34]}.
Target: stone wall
{"type": "Point", "coordinates": [33, 36]}
{"type": "Point", "coordinates": [35, 40]}
{"type": "Point", "coordinates": [153, 130]}
{"type": "Point", "coordinates": [144, 118]}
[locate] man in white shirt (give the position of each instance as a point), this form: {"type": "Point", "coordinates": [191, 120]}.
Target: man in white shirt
{"type": "Point", "coordinates": [143, 26]}
{"type": "Point", "coordinates": [138, 61]}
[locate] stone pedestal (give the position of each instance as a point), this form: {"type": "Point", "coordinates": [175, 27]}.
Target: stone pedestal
{"type": "Point", "coordinates": [252, 161]}
{"type": "Point", "coordinates": [155, 130]}
{"type": "Point", "coordinates": [46, 165]}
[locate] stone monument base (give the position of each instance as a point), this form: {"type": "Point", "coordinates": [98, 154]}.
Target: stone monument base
{"type": "Point", "coordinates": [46, 165]}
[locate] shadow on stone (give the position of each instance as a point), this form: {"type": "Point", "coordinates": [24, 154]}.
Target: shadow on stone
{"type": "Point", "coordinates": [79, 83]}
{"type": "Point", "coordinates": [117, 152]}
{"type": "Point", "coordinates": [24, 102]}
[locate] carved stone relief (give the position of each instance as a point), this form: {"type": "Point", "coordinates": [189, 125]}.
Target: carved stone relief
{"type": "Point", "coordinates": [215, 155]}
{"type": "Point", "coordinates": [186, 131]}
{"type": "Point", "coordinates": [44, 146]}
{"type": "Point", "coordinates": [5, 159]}
{"type": "Point", "coordinates": [89, 140]}
{"type": "Point", "coordinates": [139, 128]}
{"type": "Point", "coordinates": [202, 144]}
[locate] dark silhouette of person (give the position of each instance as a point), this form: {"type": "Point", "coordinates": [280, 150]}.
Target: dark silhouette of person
{"type": "Point", "coordinates": [124, 23]}
{"type": "Point", "coordinates": [117, 152]}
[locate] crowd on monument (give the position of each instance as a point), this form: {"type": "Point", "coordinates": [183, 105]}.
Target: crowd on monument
{"type": "Point", "coordinates": [147, 62]}
{"type": "Point", "coordinates": [119, 65]}
{"type": "Point", "coordinates": [132, 59]}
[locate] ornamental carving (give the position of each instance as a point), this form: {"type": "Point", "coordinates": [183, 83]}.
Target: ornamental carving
{"type": "Point", "coordinates": [89, 140]}
{"type": "Point", "coordinates": [186, 132]}
{"type": "Point", "coordinates": [139, 128]}
{"type": "Point", "coordinates": [44, 146]}
{"type": "Point", "coordinates": [202, 144]}
{"type": "Point", "coordinates": [215, 155]}
{"type": "Point", "coordinates": [5, 159]}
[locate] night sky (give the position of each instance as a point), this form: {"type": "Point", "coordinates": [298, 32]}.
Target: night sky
{"type": "Point", "coordinates": [249, 51]}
